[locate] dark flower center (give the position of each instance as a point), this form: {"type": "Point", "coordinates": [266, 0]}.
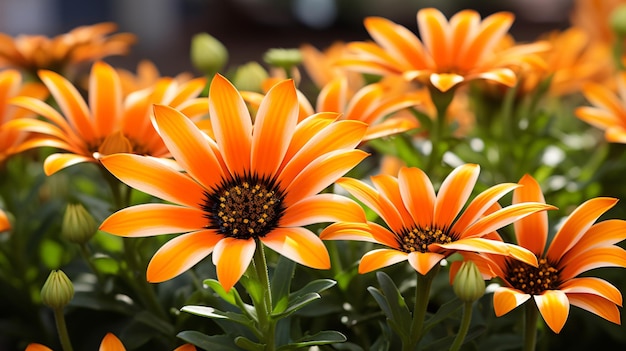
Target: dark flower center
{"type": "Point", "coordinates": [418, 239]}
{"type": "Point", "coordinates": [533, 280]}
{"type": "Point", "coordinates": [244, 207]}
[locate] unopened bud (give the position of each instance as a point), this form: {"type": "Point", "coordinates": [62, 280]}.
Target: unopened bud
{"type": "Point", "coordinates": [78, 226]}
{"type": "Point", "coordinates": [57, 291]}
{"type": "Point", "coordinates": [618, 21]}
{"type": "Point", "coordinates": [468, 284]}
{"type": "Point", "coordinates": [208, 54]}
{"type": "Point", "coordinates": [283, 58]}
{"type": "Point", "coordinates": [250, 77]}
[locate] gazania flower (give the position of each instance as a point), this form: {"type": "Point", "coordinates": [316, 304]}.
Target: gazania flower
{"type": "Point", "coordinates": [146, 76]}
{"type": "Point", "coordinates": [423, 227]}
{"type": "Point", "coordinates": [578, 246]}
{"type": "Point", "coordinates": [608, 110]}
{"type": "Point", "coordinates": [254, 183]}
{"type": "Point", "coordinates": [11, 85]}
{"type": "Point", "coordinates": [111, 123]}
{"type": "Point", "coordinates": [451, 52]}
{"type": "Point", "coordinates": [110, 342]}
{"type": "Point", "coordinates": [63, 52]}
{"type": "Point", "coordinates": [593, 16]}
{"type": "Point", "coordinates": [322, 68]}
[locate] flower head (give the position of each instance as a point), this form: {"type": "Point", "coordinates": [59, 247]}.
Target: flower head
{"type": "Point", "coordinates": [609, 109]}
{"type": "Point", "coordinates": [111, 122]}
{"type": "Point", "coordinates": [110, 342]}
{"type": "Point", "coordinates": [423, 227]}
{"type": "Point", "coordinates": [253, 182]}
{"type": "Point", "coordinates": [578, 246]}
{"type": "Point", "coordinates": [450, 52]}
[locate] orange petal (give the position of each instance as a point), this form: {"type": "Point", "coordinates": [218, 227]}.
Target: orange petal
{"type": "Point", "coordinates": [577, 224]}
{"type": "Point", "coordinates": [492, 30]}
{"type": "Point", "coordinates": [434, 29]}
{"type": "Point", "coordinates": [187, 91]}
{"type": "Point", "coordinates": [398, 41]}
{"type": "Point", "coordinates": [110, 342]}
{"type": "Point", "coordinates": [388, 187]}
{"type": "Point", "coordinates": [154, 219]}
{"type": "Point", "coordinates": [186, 347]}
{"type": "Point", "coordinates": [274, 125]}
{"type": "Point", "coordinates": [454, 192]}
{"type": "Point", "coordinates": [41, 108]}
{"type": "Point", "coordinates": [380, 258]}
{"type": "Point", "coordinates": [418, 195]}
{"type": "Point", "coordinates": [612, 256]}
{"type": "Point", "coordinates": [57, 162]}
{"type": "Point", "coordinates": [105, 98]}
{"type": "Point", "coordinates": [598, 118]}
{"type": "Point", "coordinates": [154, 178]}
{"type": "Point", "coordinates": [307, 129]}
{"type": "Point", "coordinates": [503, 217]}
{"type": "Point", "coordinates": [504, 76]}
{"type": "Point", "coordinates": [602, 234]}
{"type": "Point", "coordinates": [37, 126]}
{"type": "Point", "coordinates": [232, 257]}
{"type": "Point", "coordinates": [390, 126]}
{"type": "Point", "coordinates": [5, 224]}
{"type": "Point", "coordinates": [348, 231]}
{"type": "Point", "coordinates": [334, 96]}
{"type": "Point", "coordinates": [464, 25]}
{"type": "Point", "coordinates": [300, 245]}
{"type": "Point", "coordinates": [596, 305]}
{"type": "Point", "coordinates": [604, 98]}
{"type": "Point", "coordinates": [322, 208]}
{"type": "Point", "coordinates": [522, 254]}
{"type": "Point", "coordinates": [445, 81]}
{"type": "Point", "coordinates": [506, 299]}
{"type": "Point", "coordinates": [231, 124]}
{"type": "Point", "coordinates": [594, 286]}
{"type": "Point", "coordinates": [531, 231]}
{"type": "Point", "coordinates": [474, 245]}
{"type": "Point", "coordinates": [189, 146]}
{"type": "Point", "coordinates": [423, 262]}
{"type": "Point", "coordinates": [554, 308]}
{"type": "Point", "coordinates": [37, 347]}
{"type": "Point", "coordinates": [180, 254]}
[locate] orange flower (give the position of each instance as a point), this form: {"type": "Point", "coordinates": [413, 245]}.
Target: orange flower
{"type": "Point", "coordinates": [322, 67]}
{"type": "Point", "coordinates": [5, 224]}
{"type": "Point", "coordinates": [608, 111]}
{"type": "Point", "coordinates": [450, 52]}
{"type": "Point", "coordinates": [110, 342]}
{"type": "Point", "coordinates": [578, 246]}
{"type": "Point", "coordinates": [593, 16]}
{"type": "Point", "coordinates": [147, 75]}
{"type": "Point", "coordinates": [63, 52]}
{"type": "Point", "coordinates": [11, 85]}
{"type": "Point", "coordinates": [254, 182]}
{"type": "Point", "coordinates": [110, 124]}
{"type": "Point", "coordinates": [423, 227]}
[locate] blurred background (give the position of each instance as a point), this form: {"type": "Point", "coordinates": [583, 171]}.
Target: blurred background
{"type": "Point", "coordinates": [249, 27]}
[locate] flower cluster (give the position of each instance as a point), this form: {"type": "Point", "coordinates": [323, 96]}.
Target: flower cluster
{"type": "Point", "coordinates": [328, 175]}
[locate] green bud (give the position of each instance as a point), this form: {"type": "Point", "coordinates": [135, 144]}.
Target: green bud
{"type": "Point", "coordinates": [468, 284]}
{"type": "Point", "coordinates": [208, 54]}
{"type": "Point", "coordinates": [57, 291]}
{"type": "Point", "coordinates": [78, 224]}
{"type": "Point", "coordinates": [250, 77]}
{"type": "Point", "coordinates": [283, 58]}
{"type": "Point", "coordinates": [618, 20]}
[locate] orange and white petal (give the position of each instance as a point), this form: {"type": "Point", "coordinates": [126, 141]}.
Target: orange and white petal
{"type": "Point", "coordinates": [521, 253]}
{"type": "Point", "coordinates": [189, 146]}
{"type": "Point", "coordinates": [596, 305]}
{"type": "Point", "coordinates": [232, 257]}
{"type": "Point", "coordinates": [110, 342]}
{"type": "Point", "coordinates": [503, 217]}
{"type": "Point", "coordinates": [348, 231]}
{"type": "Point", "coordinates": [473, 245]}
{"type": "Point", "coordinates": [592, 285]}
{"type": "Point", "coordinates": [307, 129]}
{"type": "Point", "coordinates": [603, 98]}
{"type": "Point", "coordinates": [423, 262]}
{"type": "Point", "coordinates": [57, 162]}
{"type": "Point", "coordinates": [445, 81]}
{"type": "Point", "coordinates": [41, 108]}
{"type": "Point", "coordinates": [300, 245]}
{"type": "Point", "coordinates": [105, 98]}
{"type": "Point", "coordinates": [180, 254]}
{"type": "Point", "coordinates": [232, 124]}
{"type": "Point", "coordinates": [597, 117]}
{"type": "Point", "coordinates": [454, 192]}
{"type": "Point", "coordinates": [554, 308]}
{"type": "Point", "coordinates": [612, 256]}
{"type": "Point", "coordinates": [531, 231]}
{"type": "Point", "coordinates": [333, 96]}
{"type": "Point", "coordinates": [418, 195]}
{"type": "Point", "coordinates": [274, 125]}
{"type": "Point", "coordinates": [615, 134]}
{"type": "Point", "coordinates": [434, 30]}
{"type": "Point", "coordinates": [380, 258]}
{"type": "Point", "coordinates": [154, 219]}
{"type": "Point", "coordinates": [321, 173]}
{"type": "Point", "coordinates": [491, 31]}
{"type": "Point", "coordinates": [602, 234]}
{"type": "Point", "coordinates": [322, 208]}
{"type": "Point", "coordinates": [388, 187]}
{"type": "Point", "coordinates": [464, 26]}
{"type": "Point", "coordinates": [390, 126]}
{"type": "Point", "coordinates": [504, 76]}
{"type": "Point", "coordinates": [152, 177]}
{"type": "Point", "coordinates": [506, 299]}
{"type": "Point", "coordinates": [575, 226]}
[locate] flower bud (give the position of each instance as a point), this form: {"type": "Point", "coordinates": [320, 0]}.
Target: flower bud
{"type": "Point", "coordinates": [208, 54]}
{"type": "Point", "coordinates": [468, 284]}
{"type": "Point", "coordinates": [78, 224]}
{"type": "Point", "coordinates": [250, 77]}
{"type": "Point", "coordinates": [57, 291]}
{"type": "Point", "coordinates": [618, 21]}
{"type": "Point", "coordinates": [283, 58]}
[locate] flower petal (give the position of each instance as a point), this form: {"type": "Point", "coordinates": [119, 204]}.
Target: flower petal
{"type": "Point", "coordinates": [37, 347]}
{"type": "Point", "coordinates": [531, 231]}
{"type": "Point", "coordinates": [348, 231]}
{"type": "Point", "coordinates": [110, 342]}
{"type": "Point", "coordinates": [418, 195]}
{"type": "Point", "coordinates": [398, 41]}
{"type": "Point", "coordinates": [445, 81]}
{"type": "Point", "coordinates": [380, 258]}
{"type": "Point", "coordinates": [596, 305]}
{"type": "Point", "coordinates": [300, 245]}
{"type": "Point", "coordinates": [105, 98]}
{"type": "Point", "coordinates": [322, 208]}
{"type": "Point", "coordinates": [491, 31]}
{"type": "Point", "coordinates": [154, 219]}
{"type": "Point", "coordinates": [388, 187]}
{"type": "Point", "coordinates": [602, 234]}
{"type": "Point", "coordinates": [594, 286]}
{"type": "Point", "coordinates": [433, 28]}
{"type": "Point", "coordinates": [232, 257]}
{"type": "Point", "coordinates": [454, 192]}
{"type": "Point", "coordinates": [612, 256]}
{"type": "Point", "coordinates": [423, 262]}
{"type": "Point", "coordinates": [503, 217]}
{"type": "Point", "coordinates": [57, 162]}
{"type": "Point", "coordinates": [554, 308]}
{"type": "Point", "coordinates": [506, 299]}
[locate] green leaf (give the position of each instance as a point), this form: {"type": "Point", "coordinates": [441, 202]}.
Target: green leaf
{"type": "Point", "coordinates": [297, 303]}
{"type": "Point", "coordinates": [208, 342]}
{"type": "Point", "coordinates": [321, 338]}
{"type": "Point", "coordinates": [231, 296]}
{"type": "Point", "coordinates": [400, 311]}
{"type": "Point", "coordinates": [248, 344]}
{"type": "Point", "coordinates": [316, 286]}
{"type": "Point", "coordinates": [210, 312]}
{"type": "Point", "coordinates": [149, 319]}
{"type": "Point", "coordinates": [443, 312]}
{"type": "Point", "coordinates": [281, 283]}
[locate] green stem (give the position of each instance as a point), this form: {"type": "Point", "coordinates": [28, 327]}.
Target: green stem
{"type": "Point", "coordinates": [530, 325]}
{"type": "Point", "coordinates": [442, 101]}
{"type": "Point", "coordinates": [465, 324]}
{"type": "Point", "coordinates": [422, 295]}
{"type": "Point", "coordinates": [263, 306]}
{"type": "Point", "coordinates": [64, 336]}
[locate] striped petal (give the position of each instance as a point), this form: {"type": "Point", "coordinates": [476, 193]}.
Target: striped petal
{"type": "Point", "coordinates": [57, 162]}
{"type": "Point", "coordinates": [232, 257]}
{"type": "Point", "coordinates": [554, 308]}
{"type": "Point", "coordinates": [433, 27]}
{"type": "Point", "coordinates": [596, 305]}
{"type": "Point", "coordinates": [152, 177]}
{"type": "Point", "coordinates": [380, 258]}
{"type": "Point", "coordinates": [105, 98]}
{"type": "Point", "coordinates": [598, 118]}
{"type": "Point", "coordinates": [322, 208]}
{"type": "Point", "coordinates": [307, 129]}
{"type": "Point", "coordinates": [180, 254]}
{"type": "Point", "coordinates": [388, 187]}
{"type": "Point", "coordinates": [423, 262]}
{"type": "Point", "coordinates": [454, 192]}
{"type": "Point", "coordinates": [506, 299]}
{"type": "Point", "coordinates": [348, 231]}
{"type": "Point", "coordinates": [531, 231]}
{"type": "Point", "coordinates": [41, 108]}
{"type": "Point", "coordinates": [504, 76]}
{"type": "Point", "coordinates": [400, 42]}
{"type": "Point", "coordinates": [593, 286]}
{"type": "Point", "coordinates": [602, 234]}
{"type": "Point", "coordinates": [154, 219]}
{"type": "Point", "coordinates": [503, 217]}
{"type": "Point", "coordinates": [418, 195]}
{"type": "Point", "coordinates": [491, 31]}
{"type": "Point", "coordinates": [300, 245]}
{"type": "Point", "coordinates": [612, 256]}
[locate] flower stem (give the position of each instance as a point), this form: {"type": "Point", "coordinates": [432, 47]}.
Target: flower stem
{"type": "Point", "coordinates": [464, 328]}
{"type": "Point", "coordinates": [530, 325]}
{"type": "Point", "coordinates": [422, 294]}
{"type": "Point", "coordinates": [64, 336]}
{"type": "Point", "coordinates": [263, 306]}
{"type": "Point", "coordinates": [442, 101]}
